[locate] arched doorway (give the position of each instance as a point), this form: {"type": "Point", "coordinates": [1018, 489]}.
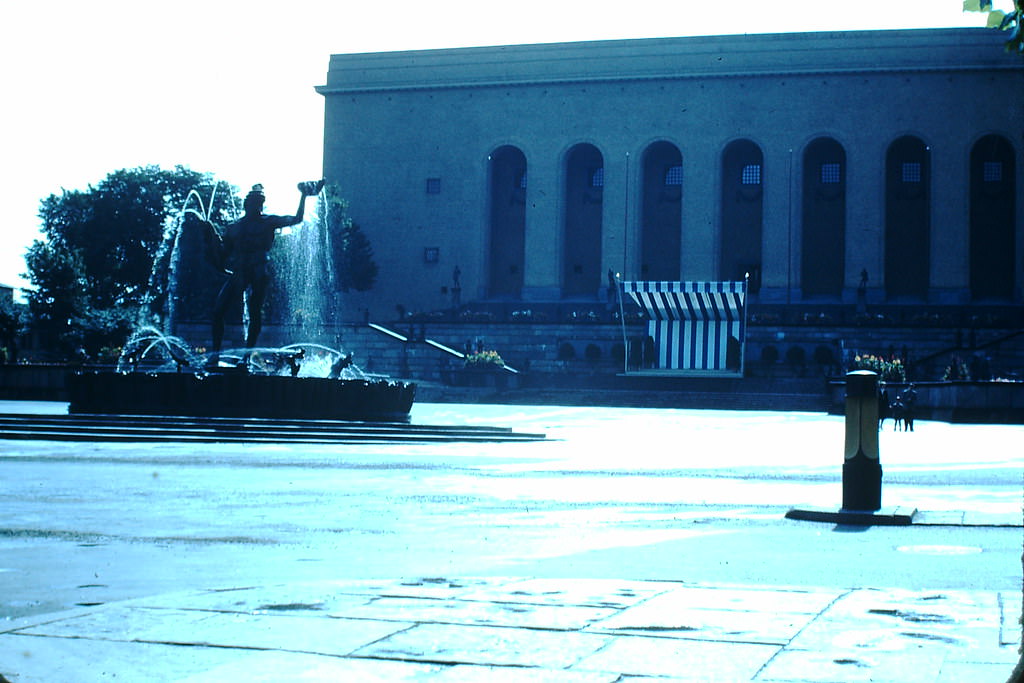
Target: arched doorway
{"type": "Point", "coordinates": [992, 216]}
{"type": "Point", "coordinates": [584, 195]}
{"type": "Point", "coordinates": [742, 215]}
{"type": "Point", "coordinates": [508, 222]}
{"type": "Point", "coordinates": [823, 245]}
{"type": "Point", "coordinates": [907, 219]}
{"type": "Point", "coordinates": [661, 230]}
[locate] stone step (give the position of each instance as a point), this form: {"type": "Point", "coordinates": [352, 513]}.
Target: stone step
{"type": "Point", "coordinates": [156, 429]}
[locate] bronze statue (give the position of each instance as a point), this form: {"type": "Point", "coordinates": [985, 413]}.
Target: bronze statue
{"type": "Point", "coordinates": [242, 253]}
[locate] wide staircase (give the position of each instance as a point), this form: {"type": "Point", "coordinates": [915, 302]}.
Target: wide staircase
{"type": "Point", "coordinates": [572, 353]}
{"type": "Point", "coordinates": [190, 430]}
{"type": "Point", "coordinates": [791, 354]}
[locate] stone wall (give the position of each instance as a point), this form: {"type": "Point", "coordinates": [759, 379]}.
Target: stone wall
{"type": "Point", "coordinates": [968, 402]}
{"type": "Point", "coordinates": [409, 137]}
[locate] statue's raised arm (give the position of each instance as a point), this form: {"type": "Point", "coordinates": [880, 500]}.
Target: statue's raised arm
{"type": "Point", "coordinates": [246, 245]}
{"type": "Point", "coordinates": [307, 188]}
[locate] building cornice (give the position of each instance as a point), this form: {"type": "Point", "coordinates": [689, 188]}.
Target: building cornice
{"type": "Point", "coordinates": [671, 59]}
{"type": "Point", "coordinates": [327, 90]}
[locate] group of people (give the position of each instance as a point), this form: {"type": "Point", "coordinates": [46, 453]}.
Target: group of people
{"type": "Point", "coordinates": [901, 409]}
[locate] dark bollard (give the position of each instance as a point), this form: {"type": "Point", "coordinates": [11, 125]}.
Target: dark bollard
{"type": "Point", "coordinates": [862, 470]}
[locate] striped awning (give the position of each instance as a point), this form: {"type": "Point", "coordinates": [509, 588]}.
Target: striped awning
{"type": "Point", "coordinates": [694, 325]}
{"type": "Point", "coordinates": [689, 300]}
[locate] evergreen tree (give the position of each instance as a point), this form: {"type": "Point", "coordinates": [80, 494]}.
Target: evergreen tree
{"type": "Point", "coordinates": [354, 267]}
{"type": "Point", "coordinates": [357, 269]}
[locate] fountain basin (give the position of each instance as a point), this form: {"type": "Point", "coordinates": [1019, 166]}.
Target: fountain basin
{"type": "Point", "coordinates": [239, 395]}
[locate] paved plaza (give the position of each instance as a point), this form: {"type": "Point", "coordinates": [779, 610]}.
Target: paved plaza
{"type": "Point", "coordinates": [510, 629]}
{"type": "Point", "coordinates": [588, 601]}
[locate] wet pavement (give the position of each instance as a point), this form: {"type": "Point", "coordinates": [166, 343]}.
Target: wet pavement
{"type": "Point", "coordinates": [468, 627]}
{"type": "Point", "coordinates": [523, 629]}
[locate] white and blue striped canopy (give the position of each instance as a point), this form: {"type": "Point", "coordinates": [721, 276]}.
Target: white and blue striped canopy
{"type": "Point", "coordinates": [689, 300]}
{"type": "Point", "coordinates": [692, 323]}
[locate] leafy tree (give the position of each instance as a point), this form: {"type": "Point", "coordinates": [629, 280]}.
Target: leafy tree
{"type": "Point", "coordinates": [58, 297]}
{"type": "Point", "coordinates": [354, 267]}
{"type": "Point", "coordinates": [10, 325]}
{"type": "Point", "coordinates": [94, 267]}
{"type": "Point", "coordinates": [1012, 22]}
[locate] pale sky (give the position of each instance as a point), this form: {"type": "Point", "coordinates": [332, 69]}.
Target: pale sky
{"type": "Point", "coordinates": [227, 86]}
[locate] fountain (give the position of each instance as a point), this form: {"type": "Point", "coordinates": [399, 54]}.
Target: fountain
{"type": "Point", "coordinates": [159, 373]}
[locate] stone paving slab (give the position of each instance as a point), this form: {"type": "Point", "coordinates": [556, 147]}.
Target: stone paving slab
{"type": "Point", "coordinates": [688, 660]}
{"type": "Point", "coordinates": [301, 599]}
{"type": "Point", "coordinates": [904, 621]}
{"type": "Point", "coordinates": [322, 596]}
{"type": "Point", "coordinates": [940, 518]}
{"type": "Point", "coordinates": [508, 674]}
{"type": "Point", "coordinates": [456, 644]}
{"type": "Point", "coordinates": [119, 623]}
{"type": "Point", "coordinates": [960, 672]}
{"type": "Point", "coordinates": [516, 615]}
{"type": "Point", "coordinates": [277, 667]}
{"type": "Point", "coordinates": [516, 629]}
{"type": "Point", "coordinates": [746, 599]}
{"type": "Point", "coordinates": [35, 659]}
{"type": "Point", "coordinates": [710, 625]}
{"type": "Point", "coordinates": [317, 635]}
{"type": "Point", "coordinates": [974, 518]}
{"type": "Point", "coordinates": [274, 667]}
{"type": "Point", "coordinates": [616, 593]}
{"type": "Point", "coordinates": [430, 587]}
{"type": "Point", "coordinates": [743, 615]}
{"type": "Point", "coordinates": [337, 637]}
{"type": "Point", "coordinates": [853, 666]}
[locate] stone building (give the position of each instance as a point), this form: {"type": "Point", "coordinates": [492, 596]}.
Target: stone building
{"type": "Point", "coordinates": [817, 163]}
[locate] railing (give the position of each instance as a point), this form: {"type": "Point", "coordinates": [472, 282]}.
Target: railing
{"type": "Point", "coordinates": [977, 367]}
{"type": "Point", "coordinates": [965, 317]}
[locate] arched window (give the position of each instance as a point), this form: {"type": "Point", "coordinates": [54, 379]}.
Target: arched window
{"type": "Point", "coordinates": [823, 244]}
{"type": "Point", "coordinates": [907, 219]}
{"type": "Point", "coordinates": [508, 221]}
{"type": "Point", "coordinates": [584, 200]}
{"type": "Point", "coordinates": [992, 216]}
{"type": "Point", "coordinates": [661, 229]}
{"type": "Point", "coordinates": [742, 215]}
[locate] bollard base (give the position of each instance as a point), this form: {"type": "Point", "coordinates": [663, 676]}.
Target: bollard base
{"type": "Point", "coordinates": [891, 516]}
{"type": "Point", "coordinates": [862, 483]}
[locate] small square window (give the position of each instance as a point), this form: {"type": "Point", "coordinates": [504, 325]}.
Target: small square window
{"type": "Point", "coordinates": [431, 254]}
{"type": "Point", "coordinates": [521, 182]}
{"type": "Point", "coordinates": [433, 186]}
{"type": "Point", "coordinates": [674, 175]}
{"type": "Point", "coordinates": [911, 172]}
{"type": "Point", "coordinates": [830, 174]}
{"type": "Point", "coordinates": [992, 171]}
{"type": "Point", "coordinates": [751, 174]}
{"type": "Point", "coordinates": [597, 177]}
